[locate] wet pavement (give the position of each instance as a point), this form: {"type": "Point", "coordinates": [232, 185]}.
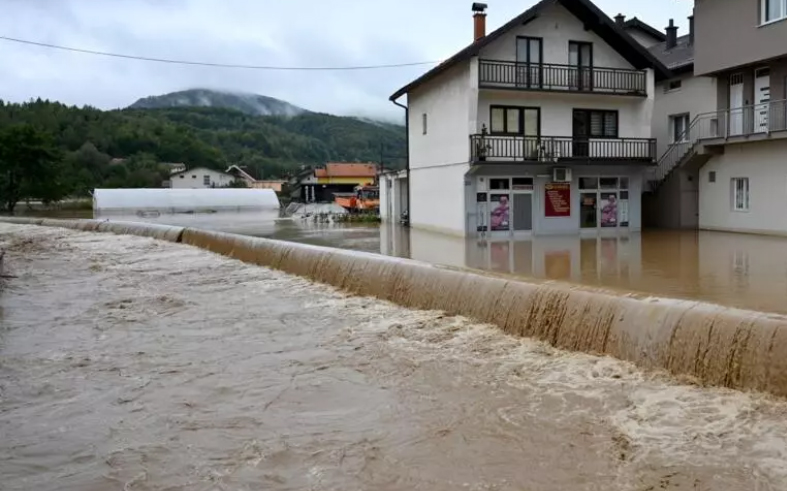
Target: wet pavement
{"type": "Point", "coordinates": [127, 363]}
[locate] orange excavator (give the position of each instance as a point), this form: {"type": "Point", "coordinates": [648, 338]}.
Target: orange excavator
{"type": "Point", "coordinates": [365, 199]}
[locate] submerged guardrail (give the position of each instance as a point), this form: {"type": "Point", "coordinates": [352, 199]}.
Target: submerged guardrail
{"type": "Point", "coordinates": [716, 345]}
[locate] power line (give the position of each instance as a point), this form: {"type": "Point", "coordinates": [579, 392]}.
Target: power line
{"type": "Point", "coordinates": [215, 65]}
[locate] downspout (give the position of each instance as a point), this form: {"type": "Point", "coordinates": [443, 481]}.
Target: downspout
{"type": "Point", "coordinates": [407, 157]}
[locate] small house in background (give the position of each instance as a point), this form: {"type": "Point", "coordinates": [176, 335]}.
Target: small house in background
{"type": "Point", "coordinates": [320, 184]}
{"type": "Point", "coordinates": [252, 180]}
{"type": "Point", "coordinates": [200, 178]}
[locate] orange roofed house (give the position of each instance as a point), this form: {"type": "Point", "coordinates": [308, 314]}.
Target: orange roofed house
{"type": "Point", "coordinates": [336, 177]}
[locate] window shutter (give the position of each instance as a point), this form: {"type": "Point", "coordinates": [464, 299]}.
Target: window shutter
{"type": "Point", "coordinates": [498, 120]}
{"type": "Point", "coordinates": [596, 123]}
{"type": "Point", "coordinates": [611, 124]}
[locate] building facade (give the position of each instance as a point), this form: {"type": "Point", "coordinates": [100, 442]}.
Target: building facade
{"type": "Point", "coordinates": [540, 127]}
{"type": "Point", "coordinates": [200, 178]}
{"type": "Point", "coordinates": [736, 151]}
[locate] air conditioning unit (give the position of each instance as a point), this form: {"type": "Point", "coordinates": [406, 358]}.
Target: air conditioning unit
{"type": "Point", "coordinates": [561, 174]}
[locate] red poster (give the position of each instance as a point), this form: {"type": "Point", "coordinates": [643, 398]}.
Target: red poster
{"type": "Point", "coordinates": [558, 200]}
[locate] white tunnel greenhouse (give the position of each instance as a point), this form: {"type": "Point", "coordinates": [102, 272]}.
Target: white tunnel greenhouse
{"type": "Point", "coordinates": [166, 201]}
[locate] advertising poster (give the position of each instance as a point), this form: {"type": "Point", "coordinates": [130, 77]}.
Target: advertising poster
{"type": "Point", "coordinates": [501, 212]}
{"type": "Point", "coordinates": [558, 200]}
{"type": "Point", "coordinates": [609, 209]}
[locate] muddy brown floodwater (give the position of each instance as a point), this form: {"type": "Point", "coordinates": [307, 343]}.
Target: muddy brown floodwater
{"type": "Point", "coordinates": [127, 363]}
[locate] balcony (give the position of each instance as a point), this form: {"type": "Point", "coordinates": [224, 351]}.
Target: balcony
{"type": "Point", "coordinates": [490, 149]}
{"type": "Point", "coordinates": [747, 123]}
{"type": "Point", "coordinates": [549, 77]}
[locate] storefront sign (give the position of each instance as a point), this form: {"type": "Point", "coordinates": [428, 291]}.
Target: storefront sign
{"type": "Point", "coordinates": [558, 200]}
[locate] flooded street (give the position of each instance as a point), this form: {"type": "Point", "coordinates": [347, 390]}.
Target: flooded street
{"type": "Point", "coordinates": [127, 363]}
{"type": "Point", "coordinates": [738, 270]}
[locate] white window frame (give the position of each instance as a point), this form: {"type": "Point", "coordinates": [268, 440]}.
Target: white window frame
{"type": "Point", "coordinates": [206, 180]}
{"type": "Point", "coordinates": [744, 204]}
{"type": "Point", "coordinates": [673, 119]}
{"type": "Point", "coordinates": [764, 12]}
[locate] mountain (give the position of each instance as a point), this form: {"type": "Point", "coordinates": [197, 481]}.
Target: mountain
{"type": "Point", "coordinates": [90, 141]}
{"type": "Point", "coordinates": [251, 104]}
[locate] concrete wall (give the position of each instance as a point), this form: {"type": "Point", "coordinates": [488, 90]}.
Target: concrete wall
{"type": "Point", "coordinates": [194, 179]}
{"type": "Point", "coordinates": [675, 204]}
{"type": "Point", "coordinates": [728, 34]}
{"type": "Point", "coordinates": [446, 101]}
{"type": "Point", "coordinates": [763, 163]}
{"type": "Point", "coordinates": [697, 95]}
{"type": "Point", "coordinates": [557, 26]}
{"type": "Point", "coordinates": [439, 158]}
{"type": "Point", "coordinates": [438, 198]}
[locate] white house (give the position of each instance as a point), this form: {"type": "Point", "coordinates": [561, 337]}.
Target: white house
{"type": "Point", "coordinates": [540, 127]}
{"type": "Point", "coordinates": [394, 195]}
{"type": "Point", "coordinates": [200, 178]}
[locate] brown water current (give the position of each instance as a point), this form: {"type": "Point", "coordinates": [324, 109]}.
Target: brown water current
{"type": "Point", "coordinates": [137, 364]}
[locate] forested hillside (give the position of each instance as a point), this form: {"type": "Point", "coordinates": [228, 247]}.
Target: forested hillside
{"type": "Point", "coordinates": [82, 141]}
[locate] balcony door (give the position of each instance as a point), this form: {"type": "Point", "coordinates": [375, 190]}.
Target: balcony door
{"type": "Point", "coordinates": [580, 60]}
{"type": "Point", "coordinates": [762, 98]}
{"type": "Point", "coordinates": [736, 104]}
{"type": "Point", "coordinates": [529, 56]}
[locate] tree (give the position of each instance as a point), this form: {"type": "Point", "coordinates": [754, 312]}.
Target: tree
{"type": "Point", "coordinates": [30, 166]}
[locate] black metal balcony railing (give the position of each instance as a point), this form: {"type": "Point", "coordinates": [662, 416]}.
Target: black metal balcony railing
{"type": "Point", "coordinates": [537, 149]}
{"type": "Point", "coordinates": [561, 78]}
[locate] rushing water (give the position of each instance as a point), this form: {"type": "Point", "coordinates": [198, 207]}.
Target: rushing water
{"type": "Point", "coordinates": [739, 270]}
{"type": "Point", "coordinates": [133, 364]}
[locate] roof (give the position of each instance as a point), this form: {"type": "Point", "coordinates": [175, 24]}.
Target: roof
{"type": "Point", "coordinates": [651, 31]}
{"type": "Point", "coordinates": [195, 169]}
{"type": "Point", "coordinates": [243, 172]}
{"type": "Point", "coordinates": [585, 10]}
{"type": "Point", "coordinates": [678, 59]}
{"type": "Point", "coordinates": [346, 169]}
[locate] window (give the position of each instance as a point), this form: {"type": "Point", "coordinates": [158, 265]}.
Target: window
{"type": "Point", "coordinates": [423, 123]}
{"type": "Point", "coordinates": [182, 176]}
{"type": "Point", "coordinates": [679, 125]}
{"type": "Point", "coordinates": [498, 184]}
{"type": "Point", "coordinates": [712, 176]}
{"type": "Point", "coordinates": [674, 85]}
{"type": "Point", "coordinates": [773, 10]}
{"type": "Point", "coordinates": [740, 193]}
{"type": "Point", "coordinates": [595, 124]}
{"type": "Point", "coordinates": [206, 180]}
{"type": "Point", "coordinates": [193, 176]}
{"type": "Point", "coordinates": [515, 120]}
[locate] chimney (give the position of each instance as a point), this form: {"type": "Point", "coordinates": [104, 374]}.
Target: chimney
{"type": "Point", "coordinates": [479, 20]}
{"type": "Point", "coordinates": [620, 19]}
{"type": "Point", "coordinates": [672, 35]}
{"type": "Point", "coordinates": [691, 29]}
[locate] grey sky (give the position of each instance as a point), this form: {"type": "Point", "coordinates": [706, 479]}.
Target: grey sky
{"type": "Point", "coordinates": [257, 32]}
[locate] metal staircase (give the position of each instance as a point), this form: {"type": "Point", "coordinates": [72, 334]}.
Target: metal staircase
{"type": "Point", "coordinates": [717, 128]}
{"type": "Point", "coordinates": [677, 153]}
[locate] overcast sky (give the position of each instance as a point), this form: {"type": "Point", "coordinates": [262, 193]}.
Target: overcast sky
{"type": "Point", "coordinates": [256, 32]}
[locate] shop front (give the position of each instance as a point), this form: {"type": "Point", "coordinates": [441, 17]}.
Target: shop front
{"type": "Point", "coordinates": [592, 202]}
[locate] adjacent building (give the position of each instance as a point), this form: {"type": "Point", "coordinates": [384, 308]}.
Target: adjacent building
{"type": "Point", "coordinates": [735, 153]}
{"type": "Point", "coordinates": [540, 127]}
{"type": "Point", "coordinates": [250, 178]}
{"type": "Point", "coordinates": [200, 178]}
{"type": "Point", "coordinates": [319, 185]}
